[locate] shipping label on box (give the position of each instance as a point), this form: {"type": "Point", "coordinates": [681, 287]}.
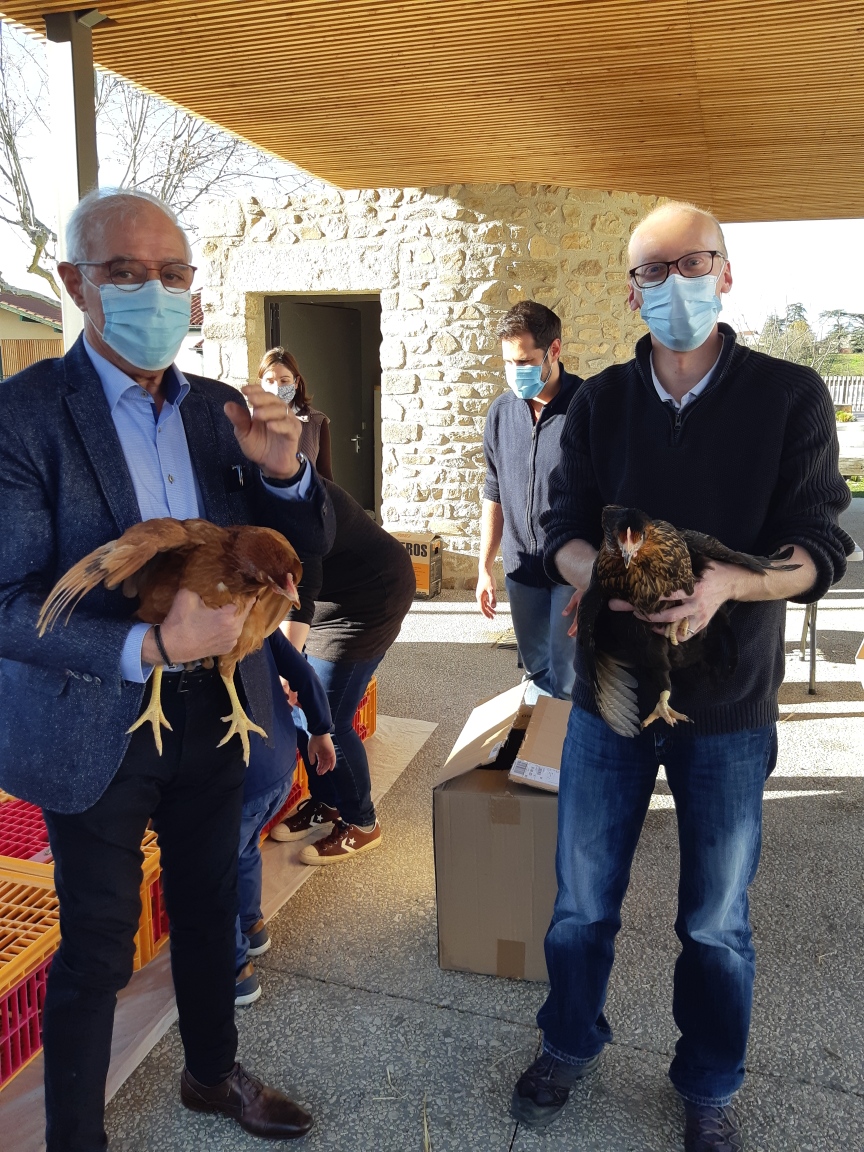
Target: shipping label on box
{"type": "Point", "coordinates": [539, 761]}
{"type": "Point", "coordinates": [424, 548]}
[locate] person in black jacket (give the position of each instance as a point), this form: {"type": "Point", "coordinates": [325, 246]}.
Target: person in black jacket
{"type": "Point", "coordinates": [520, 443]}
{"type": "Point", "coordinates": [709, 435]}
{"type": "Point", "coordinates": [352, 604]}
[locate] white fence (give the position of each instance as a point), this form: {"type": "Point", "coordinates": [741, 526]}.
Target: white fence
{"type": "Point", "coordinates": [847, 390]}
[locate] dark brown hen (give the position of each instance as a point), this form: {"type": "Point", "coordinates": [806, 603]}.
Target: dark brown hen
{"type": "Point", "coordinates": [156, 558]}
{"type": "Point", "coordinates": [642, 561]}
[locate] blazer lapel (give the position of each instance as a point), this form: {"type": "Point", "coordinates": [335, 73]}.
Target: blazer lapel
{"type": "Point", "coordinates": [92, 417]}
{"type": "Point", "coordinates": [205, 455]}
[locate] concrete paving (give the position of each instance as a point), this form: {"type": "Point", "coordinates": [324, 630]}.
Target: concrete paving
{"type": "Point", "coordinates": [358, 1020]}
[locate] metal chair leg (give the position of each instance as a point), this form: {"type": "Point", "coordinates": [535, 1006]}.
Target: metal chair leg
{"type": "Point", "coordinates": [811, 691]}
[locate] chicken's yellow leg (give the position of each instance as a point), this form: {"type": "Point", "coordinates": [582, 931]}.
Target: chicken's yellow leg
{"type": "Point", "coordinates": [153, 712]}
{"type": "Point", "coordinates": [241, 725]}
{"type": "Point", "coordinates": [663, 712]}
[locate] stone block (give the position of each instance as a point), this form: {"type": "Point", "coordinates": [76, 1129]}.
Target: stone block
{"type": "Point", "coordinates": [539, 248]}
{"type": "Point", "coordinates": [394, 433]}
{"type": "Point", "coordinates": [576, 240]}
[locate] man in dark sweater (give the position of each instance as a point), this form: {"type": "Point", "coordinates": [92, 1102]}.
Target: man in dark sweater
{"type": "Point", "coordinates": [709, 435]}
{"type": "Point", "coordinates": [520, 442]}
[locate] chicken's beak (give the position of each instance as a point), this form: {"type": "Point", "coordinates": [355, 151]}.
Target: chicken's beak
{"type": "Point", "coordinates": [629, 547]}
{"type": "Point", "coordinates": [290, 590]}
{"type": "Point", "coordinates": [627, 556]}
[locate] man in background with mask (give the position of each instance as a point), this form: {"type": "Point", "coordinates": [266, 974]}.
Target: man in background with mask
{"type": "Point", "coordinates": [708, 435]}
{"type": "Point", "coordinates": [520, 442]}
{"type": "Point", "coordinates": [90, 444]}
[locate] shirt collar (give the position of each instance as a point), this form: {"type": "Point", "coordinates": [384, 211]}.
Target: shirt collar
{"type": "Point", "coordinates": [697, 388]}
{"type": "Point", "coordinates": [115, 382]}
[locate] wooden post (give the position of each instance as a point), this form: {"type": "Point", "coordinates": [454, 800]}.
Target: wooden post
{"type": "Point", "coordinates": [72, 86]}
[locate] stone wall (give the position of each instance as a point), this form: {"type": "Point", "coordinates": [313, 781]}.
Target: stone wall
{"type": "Point", "coordinates": [447, 263]}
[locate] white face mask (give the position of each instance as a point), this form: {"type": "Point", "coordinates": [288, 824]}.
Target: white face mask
{"type": "Point", "coordinates": [286, 392]}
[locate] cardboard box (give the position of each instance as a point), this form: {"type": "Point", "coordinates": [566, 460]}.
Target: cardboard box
{"type": "Point", "coordinates": [424, 548]}
{"type": "Point", "coordinates": [494, 849]}
{"type": "Point", "coordinates": [538, 764]}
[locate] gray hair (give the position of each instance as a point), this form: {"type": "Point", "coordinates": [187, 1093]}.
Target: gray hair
{"type": "Point", "coordinates": [104, 206]}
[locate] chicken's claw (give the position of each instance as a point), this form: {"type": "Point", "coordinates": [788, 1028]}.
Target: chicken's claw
{"type": "Point", "coordinates": [241, 725]}
{"type": "Point", "coordinates": [153, 712]}
{"type": "Point", "coordinates": [663, 712]}
{"type": "Point", "coordinates": [677, 631]}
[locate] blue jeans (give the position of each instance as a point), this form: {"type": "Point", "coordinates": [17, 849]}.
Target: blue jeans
{"type": "Point", "coordinates": [348, 787]}
{"type": "Point", "coordinates": [541, 632]}
{"type": "Point", "coordinates": [256, 813]}
{"type": "Point", "coordinates": [606, 784]}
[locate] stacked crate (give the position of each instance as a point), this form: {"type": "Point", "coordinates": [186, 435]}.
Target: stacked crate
{"type": "Point", "coordinates": [29, 936]}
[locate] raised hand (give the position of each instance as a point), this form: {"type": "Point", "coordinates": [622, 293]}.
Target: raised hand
{"type": "Point", "coordinates": [269, 434]}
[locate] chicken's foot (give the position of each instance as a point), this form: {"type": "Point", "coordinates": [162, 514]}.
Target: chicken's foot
{"type": "Point", "coordinates": [678, 630]}
{"type": "Point", "coordinates": [241, 725]}
{"type": "Point", "coordinates": [663, 712]}
{"type": "Point", "coordinates": [153, 712]}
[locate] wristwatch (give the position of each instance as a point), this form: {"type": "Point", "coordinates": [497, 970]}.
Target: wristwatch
{"type": "Point", "coordinates": [295, 479]}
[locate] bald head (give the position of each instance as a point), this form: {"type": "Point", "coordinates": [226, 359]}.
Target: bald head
{"type": "Point", "coordinates": [694, 227]}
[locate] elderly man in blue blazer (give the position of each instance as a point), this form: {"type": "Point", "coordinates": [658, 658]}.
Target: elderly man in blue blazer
{"type": "Point", "coordinates": [90, 444]}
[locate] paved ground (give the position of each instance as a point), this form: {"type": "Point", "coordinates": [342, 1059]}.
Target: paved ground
{"type": "Point", "coordinates": [358, 1020]}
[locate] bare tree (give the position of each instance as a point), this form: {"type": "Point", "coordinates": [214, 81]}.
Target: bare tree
{"type": "Point", "coordinates": [151, 144]}
{"type": "Point", "coordinates": [23, 98]}
{"type": "Point", "coordinates": [163, 150]}
{"type": "Point", "coordinates": [790, 337]}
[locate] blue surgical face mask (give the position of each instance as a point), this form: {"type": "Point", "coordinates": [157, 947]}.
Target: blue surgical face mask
{"type": "Point", "coordinates": [526, 380]}
{"type": "Point", "coordinates": [681, 311]}
{"type": "Point", "coordinates": [145, 327]}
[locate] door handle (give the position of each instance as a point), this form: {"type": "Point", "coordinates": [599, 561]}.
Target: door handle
{"type": "Point", "coordinates": [355, 440]}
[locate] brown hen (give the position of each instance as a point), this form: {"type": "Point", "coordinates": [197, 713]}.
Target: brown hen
{"type": "Point", "coordinates": [156, 558]}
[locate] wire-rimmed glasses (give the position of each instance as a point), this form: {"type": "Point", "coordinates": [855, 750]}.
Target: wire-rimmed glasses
{"type": "Point", "coordinates": [130, 275]}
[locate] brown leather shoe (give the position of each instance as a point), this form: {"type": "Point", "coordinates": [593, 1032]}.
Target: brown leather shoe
{"type": "Point", "coordinates": [259, 1110]}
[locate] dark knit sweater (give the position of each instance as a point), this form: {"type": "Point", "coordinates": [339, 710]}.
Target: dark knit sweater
{"type": "Point", "coordinates": [753, 461]}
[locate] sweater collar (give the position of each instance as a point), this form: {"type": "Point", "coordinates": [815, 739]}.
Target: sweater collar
{"type": "Point", "coordinates": [643, 358]}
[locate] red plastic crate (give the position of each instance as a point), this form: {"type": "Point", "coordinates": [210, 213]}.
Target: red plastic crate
{"type": "Point", "coordinates": [23, 834]}
{"type": "Point", "coordinates": [21, 1022]}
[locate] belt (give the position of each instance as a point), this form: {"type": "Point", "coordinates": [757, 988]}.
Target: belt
{"type": "Point", "coordinates": [185, 678]}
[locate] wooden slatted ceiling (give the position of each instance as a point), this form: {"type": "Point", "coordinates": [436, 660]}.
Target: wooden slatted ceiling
{"type": "Point", "coordinates": [754, 108]}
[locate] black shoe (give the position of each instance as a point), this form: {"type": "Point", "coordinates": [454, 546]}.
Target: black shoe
{"type": "Point", "coordinates": [542, 1090]}
{"type": "Point", "coordinates": [712, 1129]}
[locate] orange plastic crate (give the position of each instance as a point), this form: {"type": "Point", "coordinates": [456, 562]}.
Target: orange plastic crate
{"type": "Point", "coordinates": [366, 718]}
{"type": "Point", "coordinates": [152, 932]}
{"type": "Point", "coordinates": [152, 935]}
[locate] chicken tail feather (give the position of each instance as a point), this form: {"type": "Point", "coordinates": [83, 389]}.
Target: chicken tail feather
{"type": "Point", "coordinates": [78, 581]}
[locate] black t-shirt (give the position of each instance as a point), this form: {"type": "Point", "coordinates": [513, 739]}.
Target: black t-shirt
{"type": "Point", "coordinates": [356, 597]}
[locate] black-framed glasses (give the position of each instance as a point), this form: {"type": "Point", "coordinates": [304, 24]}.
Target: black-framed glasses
{"type": "Point", "coordinates": [130, 275]}
{"type": "Point", "coordinates": [693, 264]}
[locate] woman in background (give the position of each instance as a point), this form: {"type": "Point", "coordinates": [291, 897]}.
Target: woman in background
{"type": "Point", "coordinates": [278, 372]}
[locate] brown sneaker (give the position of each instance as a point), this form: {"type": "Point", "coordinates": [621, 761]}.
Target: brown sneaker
{"type": "Point", "coordinates": [309, 817]}
{"type": "Point", "coordinates": [343, 843]}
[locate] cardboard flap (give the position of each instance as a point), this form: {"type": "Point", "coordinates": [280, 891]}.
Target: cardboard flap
{"type": "Point", "coordinates": [485, 731]}
{"type": "Point", "coordinates": [539, 760]}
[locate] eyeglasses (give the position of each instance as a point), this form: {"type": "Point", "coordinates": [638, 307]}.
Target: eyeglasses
{"type": "Point", "coordinates": [657, 272]}
{"type": "Point", "coordinates": [130, 275]}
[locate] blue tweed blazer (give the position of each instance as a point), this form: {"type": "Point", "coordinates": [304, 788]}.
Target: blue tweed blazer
{"type": "Point", "coordinates": [65, 489]}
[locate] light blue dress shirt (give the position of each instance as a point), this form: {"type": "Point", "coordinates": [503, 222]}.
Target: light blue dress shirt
{"type": "Point", "coordinates": [159, 463]}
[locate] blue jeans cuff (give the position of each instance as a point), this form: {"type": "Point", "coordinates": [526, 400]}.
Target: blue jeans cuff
{"type": "Point", "coordinates": [710, 1101]}
{"type": "Point", "coordinates": [566, 1058]}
